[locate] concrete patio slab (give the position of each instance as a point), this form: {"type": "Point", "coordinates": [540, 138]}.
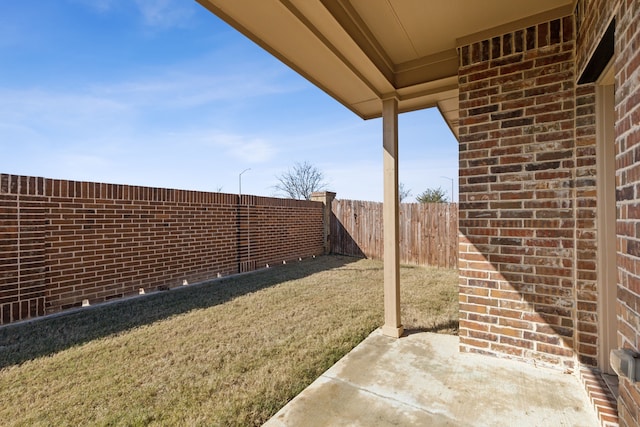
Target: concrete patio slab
{"type": "Point", "coordinates": [422, 379]}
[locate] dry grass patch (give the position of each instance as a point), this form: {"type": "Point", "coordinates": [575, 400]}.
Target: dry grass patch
{"type": "Point", "coordinates": [230, 352]}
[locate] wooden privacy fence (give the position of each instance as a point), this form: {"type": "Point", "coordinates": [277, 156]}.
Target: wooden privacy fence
{"type": "Point", "coordinates": [428, 232]}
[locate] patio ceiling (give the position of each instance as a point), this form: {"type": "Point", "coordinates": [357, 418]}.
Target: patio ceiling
{"type": "Point", "coordinates": [362, 51]}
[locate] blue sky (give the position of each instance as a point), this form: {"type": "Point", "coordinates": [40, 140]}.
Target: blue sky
{"type": "Point", "coordinates": [163, 93]}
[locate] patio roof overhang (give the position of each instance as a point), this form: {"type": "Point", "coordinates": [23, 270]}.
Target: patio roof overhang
{"type": "Point", "coordinates": [363, 51]}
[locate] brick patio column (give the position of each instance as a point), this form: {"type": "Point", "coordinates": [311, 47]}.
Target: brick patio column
{"type": "Point", "coordinates": [326, 197]}
{"type": "Point", "coordinates": [391, 212]}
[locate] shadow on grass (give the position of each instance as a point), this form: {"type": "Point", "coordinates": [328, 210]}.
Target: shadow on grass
{"type": "Point", "coordinates": [49, 335]}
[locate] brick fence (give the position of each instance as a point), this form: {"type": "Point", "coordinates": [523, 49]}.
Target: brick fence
{"type": "Point", "coordinates": [62, 242]}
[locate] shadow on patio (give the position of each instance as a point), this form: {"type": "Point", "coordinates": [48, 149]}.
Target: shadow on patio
{"type": "Point", "coordinates": [422, 379]}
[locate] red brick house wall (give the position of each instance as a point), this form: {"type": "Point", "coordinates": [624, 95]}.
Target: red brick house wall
{"type": "Point", "coordinates": [527, 198]}
{"type": "Point", "coordinates": [627, 70]}
{"type": "Point", "coordinates": [62, 242]}
{"type": "Point", "coordinates": [593, 19]}
{"type": "Point", "coordinates": [528, 278]}
{"type": "Point", "coordinates": [596, 16]}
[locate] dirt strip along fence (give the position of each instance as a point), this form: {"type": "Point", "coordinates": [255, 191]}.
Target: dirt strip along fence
{"type": "Point", "coordinates": [428, 232]}
{"type": "Point", "coordinates": [64, 242]}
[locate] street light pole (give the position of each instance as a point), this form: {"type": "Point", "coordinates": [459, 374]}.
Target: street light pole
{"type": "Point", "coordinates": [450, 179]}
{"type": "Point", "coordinates": [248, 219]}
{"type": "Point", "coordinates": [240, 181]}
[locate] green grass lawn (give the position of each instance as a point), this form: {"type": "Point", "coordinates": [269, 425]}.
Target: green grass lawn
{"type": "Point", "coordinates": [231, 352]}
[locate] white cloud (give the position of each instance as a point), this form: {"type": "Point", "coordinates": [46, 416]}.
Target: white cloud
{"type": "Point", "coordinates": [51, 115]}
{"type": "Point", "coordinates": [184, 93]}
{"type": "Point", "coordinates": [245, 149]}
{"type": "Point", "coordinates": [101, 6]}
{"type": "Point", "coordinates": [184, 88]}
{"type": "Point", "coordinates": [161, 14]}
{"type": "Point", "coordinates": [83, 164]}
{"type": "Point", "coordinates": [165, 13]}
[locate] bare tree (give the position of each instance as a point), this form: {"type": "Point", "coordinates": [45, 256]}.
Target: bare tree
{"type": "Point", "coordinates": [300, 181]}
{"type": "Point", "coordinates": [403, 192]}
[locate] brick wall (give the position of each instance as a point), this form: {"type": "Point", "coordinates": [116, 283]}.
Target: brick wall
{"type": "Point", "coordinates": [592, 19]}
{"type": "Point", "coordinates": [627, 69]}
{"type": "Point", "coordinates": [585, 280]}
{"type": "Point", "coordinates": [528, 284]}
{"type": "Point", "coordinates": [527, 199]}
{"type": "Point", "coordinates": [63, 241]}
